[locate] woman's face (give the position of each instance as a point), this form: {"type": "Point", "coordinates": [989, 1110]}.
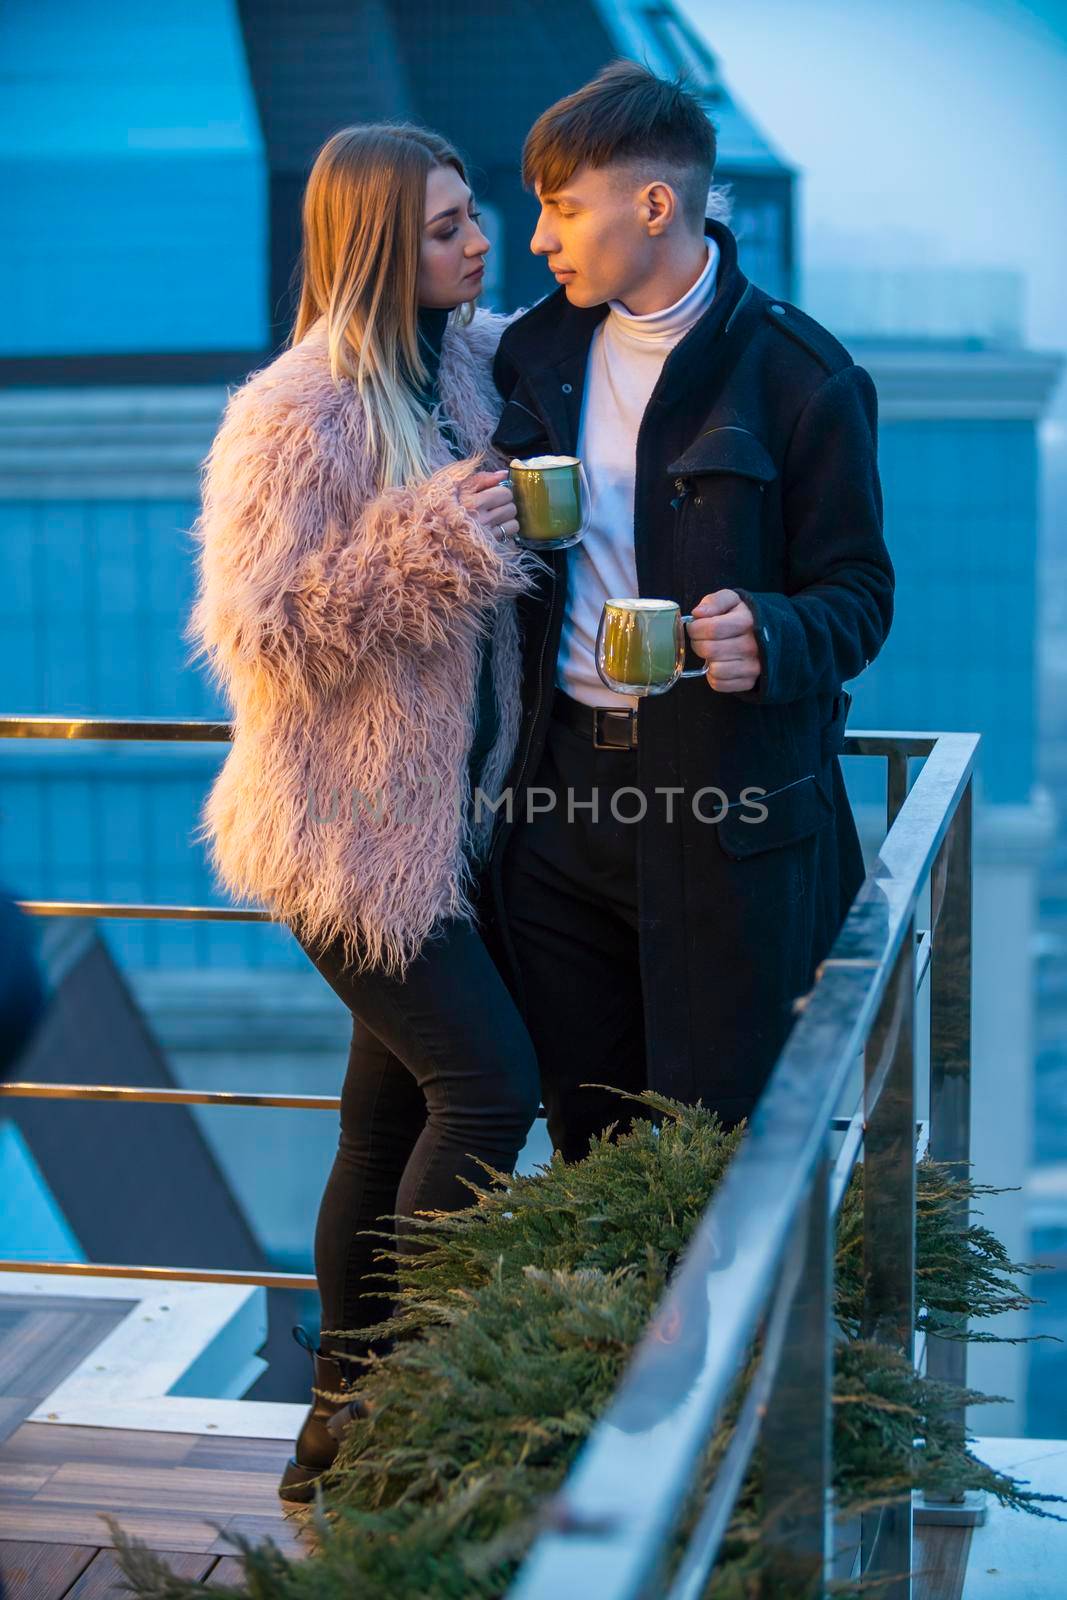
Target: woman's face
{"type": "Point", "coordinates": [453, 245]}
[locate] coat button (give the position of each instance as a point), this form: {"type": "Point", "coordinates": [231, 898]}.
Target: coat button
{"type": "Point", "coordinates": [566, 387]}
{"type": "Point", "coordinates": [779, 309]}
{"type": "Point", "coordinates": [767, 633]}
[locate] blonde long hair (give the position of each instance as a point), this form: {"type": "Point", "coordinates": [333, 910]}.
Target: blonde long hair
{"type": "Point", "coordinates": [363, 218]}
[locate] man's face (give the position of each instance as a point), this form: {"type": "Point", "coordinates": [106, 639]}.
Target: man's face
{"type": "Point", "coordinates": [594, 234]}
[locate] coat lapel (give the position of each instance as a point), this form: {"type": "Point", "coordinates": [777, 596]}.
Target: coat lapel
{"type": "Point", "coordinates": [558, 392]}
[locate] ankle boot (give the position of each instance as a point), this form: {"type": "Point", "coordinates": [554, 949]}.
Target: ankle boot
{"type": "Point", "coordinates": [315, 1446]}
{"type": "Point", "coordinates": [338, 1425]}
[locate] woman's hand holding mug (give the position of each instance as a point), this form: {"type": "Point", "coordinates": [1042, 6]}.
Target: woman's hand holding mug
{"type": "Point", "coordinates": [490, 502]}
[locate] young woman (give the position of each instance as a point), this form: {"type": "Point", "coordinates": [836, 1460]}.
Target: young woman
{"type": "Point", "coordinates": [356, 604]}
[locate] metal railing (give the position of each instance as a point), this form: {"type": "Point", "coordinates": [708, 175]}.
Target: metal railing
{"type": "Point", "coordinates": [134, 730]}
{"type": "Point", "coordinates": [761, 1258]}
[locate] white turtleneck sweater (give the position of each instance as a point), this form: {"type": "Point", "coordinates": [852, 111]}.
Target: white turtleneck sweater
{"type": "Point", "coordinates": [625, 361]}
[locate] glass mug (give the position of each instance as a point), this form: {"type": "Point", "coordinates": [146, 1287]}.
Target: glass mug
{"type": "Point", "coordinates": [551, 495]}
{"type": "Point", "coordinates": [640, 646]}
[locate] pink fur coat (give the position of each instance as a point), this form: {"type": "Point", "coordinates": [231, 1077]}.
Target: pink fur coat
{"type": "Point", "coordinates": [342, 625]}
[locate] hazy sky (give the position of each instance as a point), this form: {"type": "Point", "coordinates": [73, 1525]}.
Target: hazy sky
{"type": "Point", "coordinates": [925, 131]}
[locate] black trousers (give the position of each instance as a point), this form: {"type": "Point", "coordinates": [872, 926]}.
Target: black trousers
{"type": "Point", "coordinates": [441, 1070]}
{"type": "Point", "coordinates": [570, 893]}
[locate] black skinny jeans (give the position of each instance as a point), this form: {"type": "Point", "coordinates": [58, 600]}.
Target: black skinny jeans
{"type": "Point", "coordinates": [441, 1069]}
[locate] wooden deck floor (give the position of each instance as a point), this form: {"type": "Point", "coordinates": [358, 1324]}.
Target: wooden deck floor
{"type": "Point", "coordinates": [179, 1493]}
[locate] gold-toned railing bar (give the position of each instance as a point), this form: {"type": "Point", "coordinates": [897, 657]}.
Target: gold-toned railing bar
{"type": "Point", "coordinates": [863, 742]}
{"type": "Point", "coordinates": [98, 908]}
{"type": "Point", "coordinates": [91, 1269]}
{"type": "Point", "coordinates": [166, 1097]}
{"type": "Point", "coordinates": [125, 728]}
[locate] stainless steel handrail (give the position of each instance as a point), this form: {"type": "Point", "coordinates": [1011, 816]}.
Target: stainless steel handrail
{"type": "Point", "coordinates": [611, 1528]}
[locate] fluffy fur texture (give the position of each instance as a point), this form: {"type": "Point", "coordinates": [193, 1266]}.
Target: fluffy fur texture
{"type": "Point", "coordinates": [342, 626]}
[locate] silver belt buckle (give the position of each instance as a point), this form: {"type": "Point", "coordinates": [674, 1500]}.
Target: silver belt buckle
{"type": "Point", "coordinates": [599, 713]}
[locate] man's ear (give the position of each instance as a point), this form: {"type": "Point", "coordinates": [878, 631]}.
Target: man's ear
{"type": "Point", "coordinates": [661, 204]}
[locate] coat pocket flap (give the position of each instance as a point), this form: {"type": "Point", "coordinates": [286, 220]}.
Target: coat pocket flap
{"type": "Point", "coordinates": [763, 822]}
{"type": "Point", "coordinates": [726, 450]}
{"type": "Point", "coordinates": [520, 432]}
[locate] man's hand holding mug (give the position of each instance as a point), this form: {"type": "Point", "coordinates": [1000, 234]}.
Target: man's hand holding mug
{"type": "Point", "coordinates": [723, 633]}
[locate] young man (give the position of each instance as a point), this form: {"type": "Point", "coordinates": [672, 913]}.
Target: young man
{"type": "Point", "coordinates": [656, 925]}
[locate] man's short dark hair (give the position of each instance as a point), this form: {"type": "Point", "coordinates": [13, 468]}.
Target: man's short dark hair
{"type": "Point", "coordinates": [625, 115]}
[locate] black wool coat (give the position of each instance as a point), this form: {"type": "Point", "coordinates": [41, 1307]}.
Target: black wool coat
{"type": "Point", "coordinates": [756, 471]}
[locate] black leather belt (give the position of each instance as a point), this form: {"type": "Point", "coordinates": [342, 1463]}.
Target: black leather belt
{"type": "Point", "coordinates": [609, 727]}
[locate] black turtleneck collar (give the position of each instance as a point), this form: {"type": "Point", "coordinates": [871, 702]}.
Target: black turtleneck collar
{"type": "Point", "coordinates": [431, 322]}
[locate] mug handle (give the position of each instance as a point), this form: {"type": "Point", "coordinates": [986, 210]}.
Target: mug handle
{"type": "Point", "coordinates": [692, 672]}
{"type": "Point", "coordinates": [585, 496]}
